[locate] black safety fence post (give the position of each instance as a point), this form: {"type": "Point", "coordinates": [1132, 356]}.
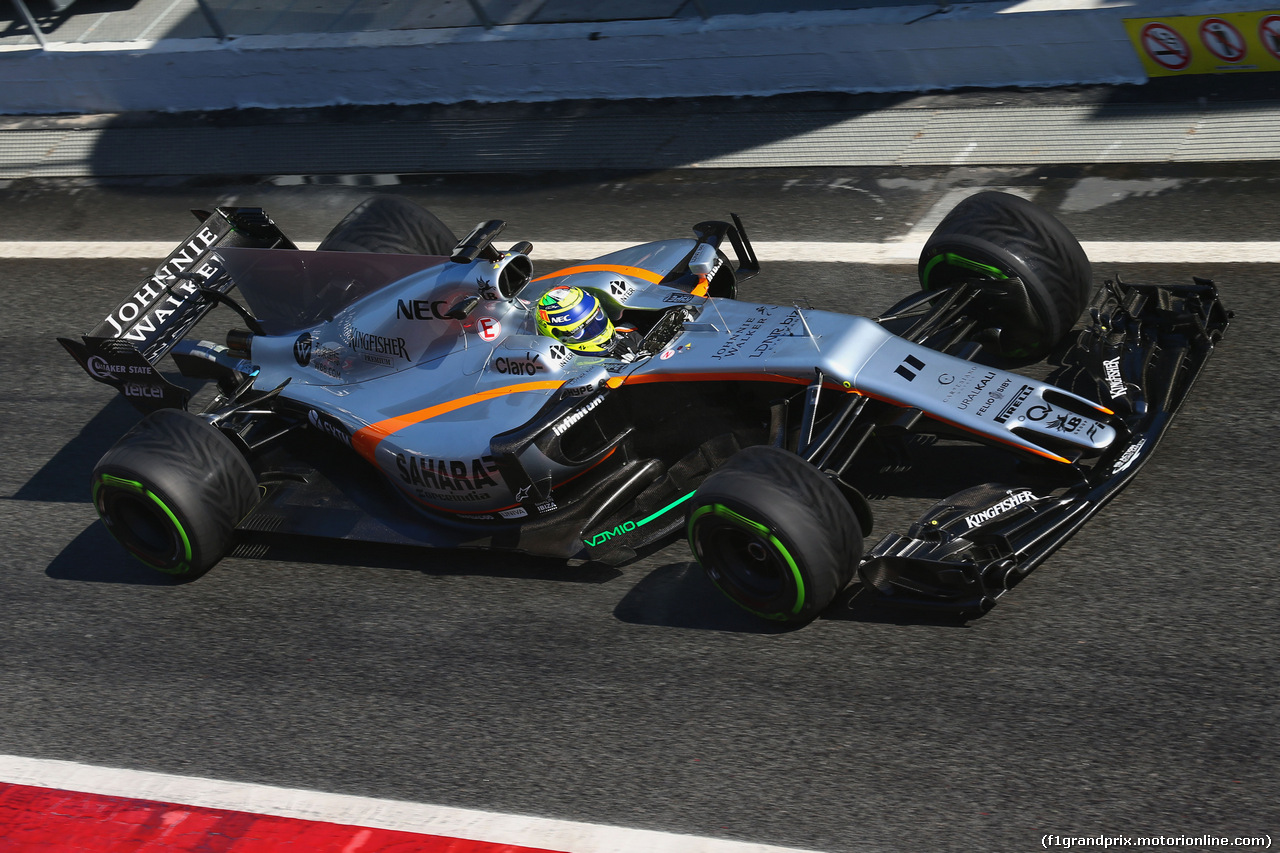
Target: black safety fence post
{"type": "Point", "coordinates": [209, 16]}
{"type": "Point", "coordinates": [480, 14]}
{"type": "Point", "coordinates": [31, 22]}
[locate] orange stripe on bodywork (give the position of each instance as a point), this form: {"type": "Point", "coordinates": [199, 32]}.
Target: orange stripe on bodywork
{"type": "Point", "coordinates": [366, 440]}
{"type": "Point", "coordinates": [635, 272]}
{"type": "Point", "coordinates": [647, 378]}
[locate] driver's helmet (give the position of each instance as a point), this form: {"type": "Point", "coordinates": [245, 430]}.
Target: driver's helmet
{"type": "Point", "coordinates": [576, 319]}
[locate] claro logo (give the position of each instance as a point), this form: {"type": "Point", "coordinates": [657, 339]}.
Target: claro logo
{"type": "Point", "coordinates": [527, 366]}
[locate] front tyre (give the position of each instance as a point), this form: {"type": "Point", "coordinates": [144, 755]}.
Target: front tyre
{"type": "Point", "coordinates": [390, 224]}
{"type": "Point", "coordinates": [1037, 278]}
{"type": "Point", "coordinates": [774, 534]}
{"type": "Point", "coordinates": [172, 490]}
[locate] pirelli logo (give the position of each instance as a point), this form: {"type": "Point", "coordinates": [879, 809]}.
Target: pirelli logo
{"type": "Point", "coordinates": [910, 368]}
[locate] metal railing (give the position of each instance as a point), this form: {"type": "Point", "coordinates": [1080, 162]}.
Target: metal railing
{"type": "Point", "coordinates": [142, 20]}
{"type": "Point", "coordinates": [54, 20]}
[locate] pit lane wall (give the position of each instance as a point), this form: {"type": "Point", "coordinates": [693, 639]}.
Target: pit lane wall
{"type": "Point", "coordinates": [896, 49]}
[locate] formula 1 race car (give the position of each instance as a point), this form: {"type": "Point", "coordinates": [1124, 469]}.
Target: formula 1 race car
{"type": "Point", "coordinates": [392, 387]}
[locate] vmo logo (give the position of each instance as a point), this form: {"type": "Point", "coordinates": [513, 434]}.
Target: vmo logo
{"type": "Point", "coordinates": [605, 536]}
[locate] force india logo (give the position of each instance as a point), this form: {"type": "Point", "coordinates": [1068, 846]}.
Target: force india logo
{"type": "Point", "coordinates": [1015, 500]}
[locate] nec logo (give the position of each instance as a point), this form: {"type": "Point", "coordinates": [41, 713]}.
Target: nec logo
{"type": "Point", "coordinates": [420, 309]}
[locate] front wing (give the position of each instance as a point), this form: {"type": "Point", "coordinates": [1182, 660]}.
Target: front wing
{"type": "Point", "coordinates": [1140, 355]}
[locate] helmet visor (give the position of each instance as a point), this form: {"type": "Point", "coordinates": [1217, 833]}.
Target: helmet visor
{"type": "Point", "coordinates": [592, 328]}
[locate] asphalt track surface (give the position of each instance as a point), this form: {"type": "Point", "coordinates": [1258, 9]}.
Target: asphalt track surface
{"type": "Point", "coordinates": [1128, 686]}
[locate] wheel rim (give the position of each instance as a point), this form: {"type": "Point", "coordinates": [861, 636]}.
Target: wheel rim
{"type": "Point", "coordinates": [143, 524]}
{"type": "Point", "coordinates": [746, 561]}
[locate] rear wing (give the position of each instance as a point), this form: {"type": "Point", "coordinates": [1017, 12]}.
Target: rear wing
{"type": "Point", "coordinates": [123, 349]}
{"type": "Point", "coordinates": [704, 272]}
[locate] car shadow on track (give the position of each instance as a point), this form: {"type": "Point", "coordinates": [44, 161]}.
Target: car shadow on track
{"type": "Point", "coordinates": [858, 603]}
{"type": "Point", "coordinates": [65, 477]}
{"type": "Point", "coordinates": [94, 557]}
{"type": "Point", "coordinates": [679, 595]}
{"type": "Point", "coordinates": [440, 562]}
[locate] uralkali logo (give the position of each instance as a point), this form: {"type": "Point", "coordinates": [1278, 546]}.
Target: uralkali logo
{"type": "Point", "coordinates": [1015, 500]}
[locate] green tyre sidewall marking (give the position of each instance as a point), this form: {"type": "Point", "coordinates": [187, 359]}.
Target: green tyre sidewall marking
{"type": "Point", "coordinates": [724, 513]}
{"type": "Point", "coordinates": [951, 259]}
{"type": "Point", "coordinates": [107, 480]}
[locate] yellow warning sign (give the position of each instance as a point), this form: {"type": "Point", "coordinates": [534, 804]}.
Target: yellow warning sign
{"type": "Point", "coordinates": [1207, 44]}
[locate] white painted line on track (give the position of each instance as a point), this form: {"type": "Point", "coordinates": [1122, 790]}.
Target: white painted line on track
{"type": "Point", "coordinates": [491, 827]}
{"type": "Point", "coordinates": [887, 253]}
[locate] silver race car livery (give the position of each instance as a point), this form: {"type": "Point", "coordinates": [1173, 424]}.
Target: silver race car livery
{"type": "Point", "coordinates": [392, 386]}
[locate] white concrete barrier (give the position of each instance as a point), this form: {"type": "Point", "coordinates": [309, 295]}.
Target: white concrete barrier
{"type": "Point", "coordinates": [905, 48]}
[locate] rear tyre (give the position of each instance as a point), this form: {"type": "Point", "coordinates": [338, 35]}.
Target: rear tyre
{"type": "Point", "coordinates": [774, 534]}
{"type": "Point", "coordinates": [172, 490]}
{"type": "Point", "coordinates": [392, 225]}
{"type": "Point", "coordinates": [1037, 276]}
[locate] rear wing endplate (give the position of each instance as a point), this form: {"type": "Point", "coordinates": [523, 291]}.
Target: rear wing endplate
{"type": "Point", "coordinates": [123, 349]}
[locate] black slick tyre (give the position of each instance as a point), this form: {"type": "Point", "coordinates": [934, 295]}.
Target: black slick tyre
{"type": "Point", "coordinates": [393, 225]}
{"type": "Point", "coordinates": [172, 490]}
{"type": "Point", "coordinates": [1037, 278]}
{"type": "Point", "coordinates": [774, 534]}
